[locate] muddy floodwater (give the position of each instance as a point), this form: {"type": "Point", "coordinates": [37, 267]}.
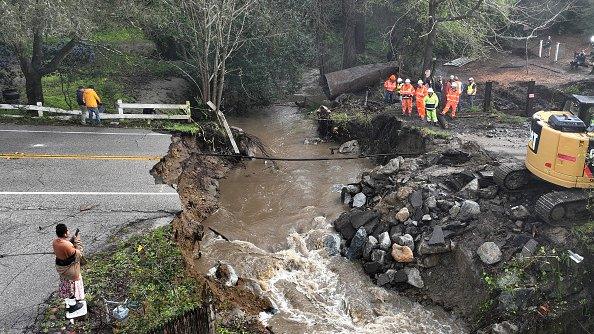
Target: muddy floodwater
{"type": "Point", "coordinates": [273, 217]}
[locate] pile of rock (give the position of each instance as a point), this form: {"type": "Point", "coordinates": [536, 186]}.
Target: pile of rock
{"type": "Point", "coordinates": [401, 221]}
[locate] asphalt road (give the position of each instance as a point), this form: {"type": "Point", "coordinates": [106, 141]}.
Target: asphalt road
{"type": "Point", "coordinates": [100, 197]}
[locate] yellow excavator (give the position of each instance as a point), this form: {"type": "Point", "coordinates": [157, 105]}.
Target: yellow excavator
{"type": "Point", "coordinates": [560, 151]}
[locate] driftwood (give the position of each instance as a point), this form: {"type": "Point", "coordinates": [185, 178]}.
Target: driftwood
{"type": "Point", "coordinates": [357, 78]}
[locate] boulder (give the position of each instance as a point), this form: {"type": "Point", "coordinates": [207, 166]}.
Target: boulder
{"type": "Point", "coordinates": [468, 210]}
{"type": "Point", "coordinates": [406, 240]}
{"type": "Point", "coordinates": [437, 237]}
{"type": "Point", "coordinates": [359, 200]}
{"type": "Point", "coordinates": [391, 167]}
{"type": "Point", "coordinates": [403, 215]}
{"type": "Point", "coordinates": [426, 219]}
{"type": "Point", "coordinates": [360, 218]}
{"type": "Point", "coordinates": [386, 278]}
{"type": "Point", "coordinates": [520, 212]}
{"type": "Point", "coordinates": [350, 147]}
{"type": "Point", "coordinates": [489, 253]}
{"type": "Point", "coordinates": [384, 241]}
{"type": "Point", "coordinates": [414, 277]}
{"type": "Point", "coordinates": [506, 327]}
{"type": "Point", "coordinates": [372, 268]}
{"type": "Point", "coordinates": [379, 256]}
{"type": "Point", "coordinates": [454, 210]}
{"type": "Point", "coordinates": [352, 189]}
{"type": "Point", "coordinates": [470, 190]}
{"type": "Point", "coordinates": [426, 249]}
{"type": "Point", "coordinates": [343, 226]}
{"type": "Point", "coordinates": [347, 199]}
{"type": "Point", "coordinates": [355, 250]}
{"type": "Point", "coordinates": [416, 199]}
{"type": "Point", "coordinates": [402, 254]}
{"type": "Point", "coordinates": [370, 245]}
{"type": "Point", "coordinates": [332, 244]}
{"type": "Point", "coordinates": [529, 248]}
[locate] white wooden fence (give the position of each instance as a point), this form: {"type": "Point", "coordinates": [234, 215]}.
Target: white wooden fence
{"type": "Point", "coordinates": [120, 107]}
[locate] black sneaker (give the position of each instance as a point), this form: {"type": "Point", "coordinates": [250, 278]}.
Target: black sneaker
{"type": "Point", "coordinates": [75, 307]}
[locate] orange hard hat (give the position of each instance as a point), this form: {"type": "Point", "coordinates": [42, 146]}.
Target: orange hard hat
{"type": "Point", "coordinates": [392, 77]}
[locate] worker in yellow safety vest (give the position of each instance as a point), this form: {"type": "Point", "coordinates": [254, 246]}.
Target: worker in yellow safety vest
{"type": "Point", "coordinates": [470, 92]}
{"type": "Point", "coordinates": [431, 102]}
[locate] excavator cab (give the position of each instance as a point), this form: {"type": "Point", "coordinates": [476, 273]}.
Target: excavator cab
{"type": "Point", "coordinates": [560, 151]}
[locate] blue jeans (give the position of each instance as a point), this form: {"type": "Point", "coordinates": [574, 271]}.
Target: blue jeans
{"type": "Point", "coordinates": [97, 119]}
{"type": "Point", "coordinates": [389, 97]}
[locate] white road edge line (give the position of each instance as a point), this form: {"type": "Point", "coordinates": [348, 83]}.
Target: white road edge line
{"type": "Point", "coordinates": [83, 193]}
{"type": "Point", "coordinates": [88, 133]}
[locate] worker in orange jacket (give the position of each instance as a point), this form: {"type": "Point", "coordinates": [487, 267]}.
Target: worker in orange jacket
{"type": "Point", "coordinates": [407, 92]}
{"type": "Point", "coordinates": [390, 87]}
{"type": "Point", "coordinates": [453, 98]}
{"type": "Point", "coordinates": [420, 94]}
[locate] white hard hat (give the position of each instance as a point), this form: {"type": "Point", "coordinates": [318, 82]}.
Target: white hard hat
{"type": "Point", "coordinates": [420, 82]}
{"type": "Point", "coordinates": [399, 80]}
{"type": "Point", "coordinates": [407, 80]}
{"type": "Point", "coordinates": [430, 90]}
{"type": "Point", "coordinates": [451, 77]}
{"type": "Point", "coordinates": [470, 79]}
{"type": "Point", "coordinates": [454, 85]}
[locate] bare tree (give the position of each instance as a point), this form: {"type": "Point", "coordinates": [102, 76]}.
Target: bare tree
{"type": "Point", "coordinates": [26, 26]}
{"type": "Point", "coordinates": [212, 30]}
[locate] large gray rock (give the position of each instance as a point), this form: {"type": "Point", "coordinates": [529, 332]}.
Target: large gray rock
{"type": "Point", "coordinates": [386, 278]}
{"type": "Point", "coordinates": [372, 268]}
{"type": "Point", "coordinates": [489, 253]}
{"type": "Point", "coordinates": [414, 277]}
{"type": "Point", "coordinates": [332, 244]}
{"type": "Point", "coordinates": [359, 200]}
{"type": "Point", "coordinates": [437, 237]}
{"type": "Point", "coordinates": [370, 245]}
{"type": "Point", "coordinates": [520, 212]}
{"type": "Point", "coordinates": [468, 210]}
{"type": "Point", "coordinates": [355, 250]}
{"type": "Point", "coordinates": [391, 167]}
{"type": "Point", "coordinates": [431, 203]}
{"type": "Point", "coordinates": [363, 218]}
{"type": "Point", "coordinates": [406, 240]}
{"type": "Point", "coordinates": [529, 248]}
{"type": "Point", "coordinates": [505, 327]}
{"type": "Point", "coordinates": [223, 273]}
{"type": "Point", "coordinates": [416, 199]}
{"type": "Point", "coordinates": [384, 241]}
{"type": "Point", "coordinates": [426, 249]}
{"type": "Point", "coordinates": [343, 225]}
{"type": "Point", "coordinates": [350, 147]}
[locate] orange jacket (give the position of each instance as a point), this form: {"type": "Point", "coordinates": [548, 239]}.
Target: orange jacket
{"type": "Point", "coordinates": [420, 93]}
{"type": "Point", "coordinates": [407, 90]}
{"type": "Point", "coordinates": [453, 96]}
{"type": "Point", "coordinates": [390, 85]}
{"type": "Point", "coordinates": [91, 98]}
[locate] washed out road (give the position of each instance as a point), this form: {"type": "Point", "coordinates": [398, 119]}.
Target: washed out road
{"type": "Point", "coordinates": [94, 179]}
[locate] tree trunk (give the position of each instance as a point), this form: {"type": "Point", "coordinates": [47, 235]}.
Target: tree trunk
{"type": "Point", "coordinates": [348, 37]}
{"type": "Point", "coordinates": [319, 23]}
{"type": "Point", "coordinates": [431, 34]}
{"type": "Point", "coordinates": [360, 34]}
{"type": "Point", "coordinates": [33, 87]}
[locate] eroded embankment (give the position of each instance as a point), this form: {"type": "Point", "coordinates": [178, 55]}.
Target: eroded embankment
{"type": "Point", "coordinates": [196, 178]}
{"type": "Point", "coordinates": [438, 228]}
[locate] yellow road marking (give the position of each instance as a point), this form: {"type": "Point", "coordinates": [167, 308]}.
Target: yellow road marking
{"type": "Point", "coordinates": [18, 155]}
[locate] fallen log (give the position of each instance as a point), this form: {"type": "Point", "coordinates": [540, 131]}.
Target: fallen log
{"type": "Point", "coordinates": [357, 78]}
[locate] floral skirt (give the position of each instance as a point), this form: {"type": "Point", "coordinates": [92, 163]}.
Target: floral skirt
{"type": "Point", "coordinates": [68, 289]}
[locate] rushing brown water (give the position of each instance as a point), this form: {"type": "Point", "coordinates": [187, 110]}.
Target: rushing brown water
{"type": "Point", "coordinates": [278, 220]}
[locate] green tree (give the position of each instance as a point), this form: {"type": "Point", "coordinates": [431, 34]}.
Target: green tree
{"type": "Point", "coordinates": [28, 25]}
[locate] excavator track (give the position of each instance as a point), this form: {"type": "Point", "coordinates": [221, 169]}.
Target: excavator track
{"type": "Point", "coordinates": [563, 208]}
{"type": "Point", "coordinates": [513, 176]}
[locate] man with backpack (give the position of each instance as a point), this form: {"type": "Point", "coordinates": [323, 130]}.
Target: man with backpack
{"type": "Point", "coordinates": [81, 104]}
{"type": "Point", "coordinates": [92, 102]}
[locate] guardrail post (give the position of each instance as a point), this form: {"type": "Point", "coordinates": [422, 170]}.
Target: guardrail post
{"type": "Point", "coordinates": [39, 110]}
{"type": "Point", "coordinates": [557, 52]}
{"type": "Point", "coordinates": [120, 109]}
{"type": "Point", "coordinates": [540, 50]}
{"type": "Point", "coordinates": [189, 111]}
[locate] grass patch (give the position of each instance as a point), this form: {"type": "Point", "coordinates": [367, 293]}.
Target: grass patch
{"type": "Point", "coordinates": [148, 270]}
{"type": "Point", "coordinates": [509, 119]}
{"type": "Point", "coordinates": [434, 133]}
{"type": "Point", "coordinates": [189, 128]}
{"type": "Point", "coordinates": [119, 35]}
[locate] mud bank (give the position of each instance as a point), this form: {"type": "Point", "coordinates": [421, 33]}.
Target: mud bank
{"type": "Point", "coordinates": [196, 179]}
{"type": "Point", "coordinates": [439, 230]}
